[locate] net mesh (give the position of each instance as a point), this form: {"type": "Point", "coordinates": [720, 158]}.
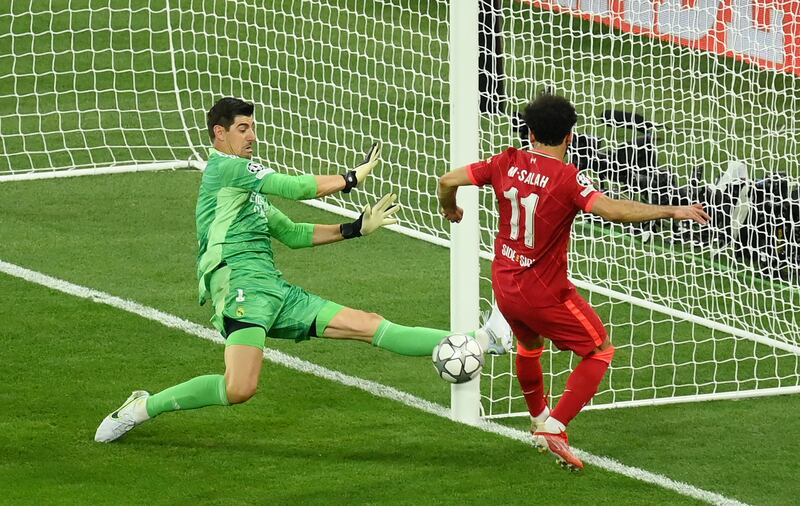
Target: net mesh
{"type": "Point", "coordinates": [666, 292]}
{"type": "Point", "coordinates": [109, 83]}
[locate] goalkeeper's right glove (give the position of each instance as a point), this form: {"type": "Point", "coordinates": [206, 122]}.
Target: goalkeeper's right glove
{"type": "Point", "coordinates": [373, 218]}
{"type": "Point", "coordinates": [362, 170]}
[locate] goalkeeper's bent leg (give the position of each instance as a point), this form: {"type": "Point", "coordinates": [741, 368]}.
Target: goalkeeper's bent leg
{"type": "Point", "coordinates": [209, 390]}
{"type": "Point", "coordinates": [196, 393]}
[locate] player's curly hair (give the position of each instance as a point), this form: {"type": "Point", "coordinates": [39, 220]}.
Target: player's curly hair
{"type": "Point", "coordinates": [224, 112]}
{"type": "Point", "coordinates": [550, 118]}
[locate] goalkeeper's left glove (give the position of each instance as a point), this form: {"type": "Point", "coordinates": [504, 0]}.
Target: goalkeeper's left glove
{"type": "Point", "coordinates": [362, 170]}
{"type": "Point", "coordinates": [372, 218]}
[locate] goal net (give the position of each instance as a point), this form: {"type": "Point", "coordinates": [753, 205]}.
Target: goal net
{"type": "Point", "coordinates": [667, 115]}
{"type": "Point", "coordinates": [114, 85]}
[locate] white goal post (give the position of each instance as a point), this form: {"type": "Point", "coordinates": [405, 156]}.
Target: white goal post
{"type": "Point", "coordinates": [675, 104]}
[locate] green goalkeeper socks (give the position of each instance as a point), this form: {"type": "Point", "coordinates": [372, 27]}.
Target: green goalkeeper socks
{"type": "Point", "coordinates": [411, 341]}
{"type": "Point", "coordinates": [196, 393]}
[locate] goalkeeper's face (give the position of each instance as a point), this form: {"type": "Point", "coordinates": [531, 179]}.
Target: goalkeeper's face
{"type": "Point", "coordinates": [239, 138]}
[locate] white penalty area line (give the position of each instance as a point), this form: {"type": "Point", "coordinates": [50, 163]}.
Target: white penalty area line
{"type": "Point", "coordinates": [371, 387]}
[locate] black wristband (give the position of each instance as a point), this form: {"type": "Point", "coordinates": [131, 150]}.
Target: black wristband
{"type": "Point", "coordinates": [350, 180]}
{"type": "Point", "coordinates": [351, 230]}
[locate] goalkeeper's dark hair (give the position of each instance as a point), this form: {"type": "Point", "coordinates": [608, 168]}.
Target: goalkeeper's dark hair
{"type": "Point", "coordinates": [224, 112]}
{"type": "Point", "coordinates": [550, 118]}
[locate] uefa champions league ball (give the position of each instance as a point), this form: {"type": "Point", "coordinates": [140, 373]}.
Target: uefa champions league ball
{"type": "Point", "coordinates": [458, 358]}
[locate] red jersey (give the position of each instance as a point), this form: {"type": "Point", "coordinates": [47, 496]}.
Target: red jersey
{"type": "Point", "coordinates": [539, 196]}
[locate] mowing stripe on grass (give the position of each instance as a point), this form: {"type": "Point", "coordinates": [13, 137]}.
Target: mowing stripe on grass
{"type": "Point", "coordinates": [372, 387]}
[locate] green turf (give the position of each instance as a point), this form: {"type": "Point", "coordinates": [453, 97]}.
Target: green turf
{"type": "Point", "coordinates": [302, 440]}
{"type": "Point", "coordinates": [327, 83]}
{"type": "Point", "coordinates": [132, 235]}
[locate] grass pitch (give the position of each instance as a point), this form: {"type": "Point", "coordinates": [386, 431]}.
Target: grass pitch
{"type": "Point", "coordinates": [68, 362]}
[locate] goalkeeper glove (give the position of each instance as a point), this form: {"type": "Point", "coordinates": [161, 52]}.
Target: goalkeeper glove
{"type": "Point", "coordinates": [372, 218]}
{"type": "Point", "coordinates": [362, 170]}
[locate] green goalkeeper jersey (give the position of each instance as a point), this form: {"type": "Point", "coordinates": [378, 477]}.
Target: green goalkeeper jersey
{"type": "Point", "coordinates": [235, 221]}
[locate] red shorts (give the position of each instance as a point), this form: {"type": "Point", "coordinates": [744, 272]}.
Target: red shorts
{"type": "Point", "coordinates": [572, 325]}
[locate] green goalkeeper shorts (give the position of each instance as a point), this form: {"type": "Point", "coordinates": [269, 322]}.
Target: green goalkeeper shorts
{"type": "Point", "coordinates": [284, 311]}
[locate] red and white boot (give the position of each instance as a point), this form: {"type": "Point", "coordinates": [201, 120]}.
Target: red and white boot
{"type": "Point", "coordinates": [549, 437]}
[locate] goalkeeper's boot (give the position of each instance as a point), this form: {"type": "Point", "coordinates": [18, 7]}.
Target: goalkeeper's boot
{"type": "Point", "coordinates": [495, 336]}
{"type": "Point", "coordinates": [132, 413]}
{"type": "Point", "coordinates": [557, 444]}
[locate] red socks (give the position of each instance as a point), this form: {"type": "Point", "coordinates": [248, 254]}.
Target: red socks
{"type": "Point", "coordinates": [581, 385]}
{"type": "Point", "coordinates": [529, 375]}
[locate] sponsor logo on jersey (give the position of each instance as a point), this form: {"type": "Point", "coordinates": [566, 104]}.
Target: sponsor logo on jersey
{"type": "Point", "coordinates": [528, 177]}
{"type": "Point", "coordinates": [510, 253]}
{"type": "Point", "coordinates": [260, 204]}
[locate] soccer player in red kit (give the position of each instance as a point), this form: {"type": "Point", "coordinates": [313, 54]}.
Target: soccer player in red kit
{"type": "Point", "coordinates": [539, 196]}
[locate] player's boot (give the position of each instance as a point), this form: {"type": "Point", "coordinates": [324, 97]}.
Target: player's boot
{"type": "Point", "coordinates": [557, 443]}
{"type": "Point", "coordinates": [132, 413]}
{"type": "Point", "coordinates": [495, 335]}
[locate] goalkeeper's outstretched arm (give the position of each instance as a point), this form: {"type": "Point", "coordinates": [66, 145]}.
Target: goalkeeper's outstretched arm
{"type": "Point", "coordinates": [304, 235]}
{"type": "Point", "coordinates": [311, 186]}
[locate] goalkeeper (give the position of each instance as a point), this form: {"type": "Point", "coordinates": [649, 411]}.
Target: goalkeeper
{"type": "Point", "coordinates": [236, 271]}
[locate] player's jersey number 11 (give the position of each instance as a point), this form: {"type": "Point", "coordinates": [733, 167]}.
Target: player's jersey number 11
{"type": "Point", "coordinates": [529, 203]}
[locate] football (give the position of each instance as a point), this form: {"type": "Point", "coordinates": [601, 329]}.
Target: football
{"type": "Point", "coordinates": [458, 358]}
